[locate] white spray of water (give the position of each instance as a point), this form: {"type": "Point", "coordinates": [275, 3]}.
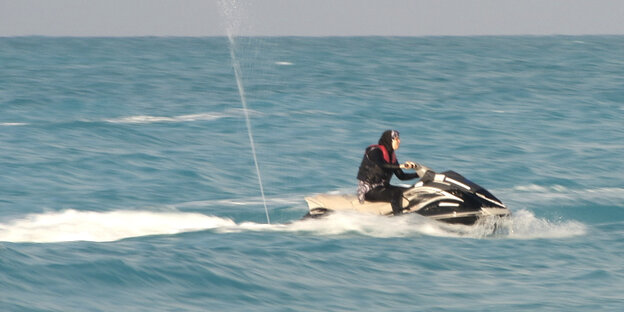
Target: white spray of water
{"type": "Point", "coordinates": [73, 225]}
{"type": "Point", "coordinates": [522, 225]}
{"type": "Point", "coordinates": [230, 9]}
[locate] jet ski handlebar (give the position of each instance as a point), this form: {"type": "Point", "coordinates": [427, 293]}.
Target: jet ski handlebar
{"type": "Point", "coordinates": [420, 169]}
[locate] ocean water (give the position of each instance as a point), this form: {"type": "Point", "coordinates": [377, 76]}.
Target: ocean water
{"type": "Point", "coordinates": [128, 183]}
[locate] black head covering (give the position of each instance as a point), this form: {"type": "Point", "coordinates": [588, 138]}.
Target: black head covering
{"type": "Point", "coordinates": [386, 139]}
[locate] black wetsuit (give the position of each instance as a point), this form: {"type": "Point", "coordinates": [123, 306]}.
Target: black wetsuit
{"type": "Point", "coordinates": [377, 172]}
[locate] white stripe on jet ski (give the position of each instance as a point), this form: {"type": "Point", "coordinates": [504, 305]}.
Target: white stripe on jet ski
{"type": "Point", "coordinates": [447, 204]}
{"type": "Point", "coordinates": [458, 183]}
{"type": "Point", "coordinates": [451, 196]}
{"type": "Point", "coordinates": [490, 200]}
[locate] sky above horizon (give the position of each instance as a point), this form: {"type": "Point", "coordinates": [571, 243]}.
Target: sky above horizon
{"type": "Point", "coordinates": [309, 17]}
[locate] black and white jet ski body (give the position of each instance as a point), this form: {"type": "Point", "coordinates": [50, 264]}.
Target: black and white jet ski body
{"type": "Point", "coordinates": [446, 196]}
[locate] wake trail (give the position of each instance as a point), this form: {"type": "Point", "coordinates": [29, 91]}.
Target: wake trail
{"type": "Point", "coordinates": [74, 225]}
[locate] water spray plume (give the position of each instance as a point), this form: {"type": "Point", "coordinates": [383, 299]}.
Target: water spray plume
{"type": "Point", "coordinates": [230, 8]}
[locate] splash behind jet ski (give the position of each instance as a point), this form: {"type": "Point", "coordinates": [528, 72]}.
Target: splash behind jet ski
{"type": "Point", "coordinates": [446, 196]}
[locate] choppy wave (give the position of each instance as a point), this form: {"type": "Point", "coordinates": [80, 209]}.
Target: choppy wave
{"type": "Point", "coordinates": [182, 118]}
{"type": "Point", "coordinates": [206, 116]}
{"type": "Point", "coordinates": [73, 225]}
{"type": "Point", "coordinates": [148, 119]}
{"type": "Point", "coordinates": [12, 124]}
{"type": "Point", "coordinates": [603, 195]}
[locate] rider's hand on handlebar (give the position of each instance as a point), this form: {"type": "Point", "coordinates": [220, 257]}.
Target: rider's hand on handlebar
{"type": "Point", "coordinates": [408, 165]}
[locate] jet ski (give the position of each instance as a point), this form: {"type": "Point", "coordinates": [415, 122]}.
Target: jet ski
{"type": "Point", "coordinates": [446, 197]}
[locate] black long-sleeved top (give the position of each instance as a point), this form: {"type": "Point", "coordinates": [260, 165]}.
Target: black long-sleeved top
{"type": "Point", "coordinates": [375, 170]}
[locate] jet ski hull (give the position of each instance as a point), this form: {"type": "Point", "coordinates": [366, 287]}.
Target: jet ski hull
{"type": "Point", "coordinates": [446, 197]}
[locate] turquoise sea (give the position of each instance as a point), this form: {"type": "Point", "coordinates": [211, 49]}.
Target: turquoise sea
{"type": "Point", "coordinates": [128, 181]}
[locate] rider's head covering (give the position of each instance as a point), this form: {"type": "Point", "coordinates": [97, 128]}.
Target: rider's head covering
{"type": "Point", "coordinates": [386, 139]}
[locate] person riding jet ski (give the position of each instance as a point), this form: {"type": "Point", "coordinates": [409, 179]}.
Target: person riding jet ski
{"type": "Point", "coordinates": [378, 165]}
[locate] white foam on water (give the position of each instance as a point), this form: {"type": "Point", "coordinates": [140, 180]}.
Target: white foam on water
{"type": "Point", "coordinates": [338, 223]}
{"type": "Point", "coordinates": [12, 124]}
{"type": "Point", "coordinates": [73, 225]}
{"type": "Point", "coordinates": [522, 225]}
{"type": "Point", "coordinates": [525, 225]}
{"type": "Point", "coordinates": [141, 119]}
{"type": "Point", "coordinates": [368, 225]}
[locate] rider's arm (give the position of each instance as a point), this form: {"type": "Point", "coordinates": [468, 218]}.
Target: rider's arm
{"type": "Point", "coordinates": [376, 155]}
{"type": "Point", "coordinates": [405, 176]}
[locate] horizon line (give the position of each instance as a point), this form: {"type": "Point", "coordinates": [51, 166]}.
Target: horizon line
{"type": "Point", "coordinates": [313, 36]}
